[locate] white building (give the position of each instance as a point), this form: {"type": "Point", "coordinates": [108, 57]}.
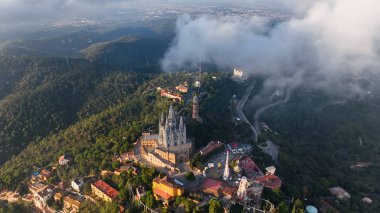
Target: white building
{"type": "Point", "coordinates": [239, 74]}
{"type": "Point", "coordinates": [63, 160]}
{"type": "Point", "coordinates": [77, 184]}
{"type": "Point", "coordinates": [41, 197]}
{"type": "Point", "coordinates": [271, 170]}
{"type": "Point", "coordinates": [340, 193]}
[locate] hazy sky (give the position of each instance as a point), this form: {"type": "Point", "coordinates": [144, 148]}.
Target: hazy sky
{"type": "Point", "coordinates": [16, 11]}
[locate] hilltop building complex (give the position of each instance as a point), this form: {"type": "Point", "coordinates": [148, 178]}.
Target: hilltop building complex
{"type": "Point", "coordinates": [170, 146]}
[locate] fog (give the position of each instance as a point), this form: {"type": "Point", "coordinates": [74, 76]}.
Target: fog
{"type": "Point", "coordinates": [326, 43]}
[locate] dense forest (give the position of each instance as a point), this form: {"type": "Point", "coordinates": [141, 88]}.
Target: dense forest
{"type": "Point", "coordinates": [40, 96]}
{"type": "Point", "coordinates": [102, 113]}
{"type": "Point", "coordinates": [320, 138]}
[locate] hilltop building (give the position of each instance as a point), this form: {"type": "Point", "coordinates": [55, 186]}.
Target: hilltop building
{"type": "Point", "coordinates": [170, 145]}
{"type": "Point", "coordinates": [195, 114]}
{"type": "Point", "coordinates": [239, 74]}
{"type": "Point", "coordinates": [164, 189]}
{"type": "Point", "coordinates": [170, 95]}
{"type": "Point", "coordinates": [182, 88]}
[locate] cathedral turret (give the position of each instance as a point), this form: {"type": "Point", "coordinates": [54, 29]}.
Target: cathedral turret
{"type": "Point", "coordinates": [172, 130]}
{"type": "Point", "coordinates": [171, 115]}
{"type": "Point", "coordinates": [181, 122]}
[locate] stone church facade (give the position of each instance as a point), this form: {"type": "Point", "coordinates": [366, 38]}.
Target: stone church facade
{"type": "Point", "coordinates": [170, 145]}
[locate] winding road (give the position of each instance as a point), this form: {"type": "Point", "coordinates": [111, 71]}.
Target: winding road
{"type": "Point", "coordinates": [240, 106]}
{"type": "Point", "coordinates": [264, 108]}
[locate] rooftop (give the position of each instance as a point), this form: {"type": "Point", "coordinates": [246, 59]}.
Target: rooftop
{"type": "Point", "coordinates": [249, 167]}
{"type": "Point", "coordinates": [270, 181]}
{"type": "Point", "coordinates": [46, 173]}
{"type": "Point", "coordinates": [73, 201]}
{"type": "Point", "coordinates": [211, 147]}
{"type": "Point", "coordinates": [43, 193]}
{"type": "Point", "coordinates": [150, 137]}
{"type": "Point", "coordinates": [165, 181]}
{"type": "Point", "coordinates": [106, 189]}
{"type": "Point", "coordinates": [212, 184]}
{"type": "Point", "coordinates": [162, 194]}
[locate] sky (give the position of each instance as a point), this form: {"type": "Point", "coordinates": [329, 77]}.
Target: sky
{"type": "Point", "coordinates": [325, 43]}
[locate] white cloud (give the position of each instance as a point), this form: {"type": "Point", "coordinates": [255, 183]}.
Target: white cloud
{"type": "Point", "coordinates": [327, 42]}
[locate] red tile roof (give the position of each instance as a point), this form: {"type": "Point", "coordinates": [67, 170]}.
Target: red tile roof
{"type": "Point", "coordinates": [211, 147]}
{"type": "Point", "coordinates": [270, 181]}
{"type": "Point", "coordinates": [162, 194]}
{"type": "Point", "coordinates": [212, 184]}
{"type": "Point", "coordinates": [106, 189]}
{"type": "Point", "coordinates": [235, 145]}
{"type": "Point", "coordinates": [228, 190]}
{"type": "Point", "coordinates": [249, 167]}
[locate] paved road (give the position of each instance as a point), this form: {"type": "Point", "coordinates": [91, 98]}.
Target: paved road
{"type": "Point", "coordinates": [240, 106]}
{"type": "Point", "coordinates": [264, 108]}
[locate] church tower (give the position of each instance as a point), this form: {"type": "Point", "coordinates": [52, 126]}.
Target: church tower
{"type": "Point", "coordinates": [226, 174]}
{"type": "Point", "coordinates": [195, 114]}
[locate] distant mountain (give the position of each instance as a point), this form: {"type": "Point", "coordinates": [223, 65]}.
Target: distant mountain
{"type": "Point", "coordinates": [131, 50]}
{"type": "Point", "coordinates": [70, 44]}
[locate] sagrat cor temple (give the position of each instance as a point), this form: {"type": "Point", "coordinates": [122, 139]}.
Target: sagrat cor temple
{"type": "Point", "coordinates": [170, 146]}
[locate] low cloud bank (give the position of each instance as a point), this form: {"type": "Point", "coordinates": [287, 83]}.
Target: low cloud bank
{"type": "Point", "coordinates": [333, 41]}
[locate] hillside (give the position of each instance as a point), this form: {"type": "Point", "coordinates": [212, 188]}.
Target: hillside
{"type": "Point", "coordinates": [132, 50]}
{"type": "Point", "coordinates": [40, 96]}
{"type": "Point", "coordinates": [70, 44]}
{"type": "Point", "coordinates": [94, 140]}
{"type": "Point", "coordinates": [320, 137]}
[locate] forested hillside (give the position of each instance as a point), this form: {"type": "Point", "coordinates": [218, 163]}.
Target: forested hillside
{"type": "Point", "coordinates": [128, 51]}
{"type": "Point", "coordinates": [320, 138]}
{"type": "Point", "coordinates": [40, 96]}
{"type": "Point", "coordinates": [111, 118]}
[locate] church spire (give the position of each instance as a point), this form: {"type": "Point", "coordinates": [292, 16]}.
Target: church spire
{"type": "Point", "coordinates": [171, 115]}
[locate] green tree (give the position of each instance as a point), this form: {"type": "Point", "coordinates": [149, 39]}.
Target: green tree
{"type": "Point", "coordinates": [283, 208]}
{"type": "Point", "coordinates": [297, 206]}
{"type": "Point", "coordinates": [215, 206]}
{"type": "Point", "coordinates": [190, 176]}
{"type": "Point", "coordinates": [149, 199]}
